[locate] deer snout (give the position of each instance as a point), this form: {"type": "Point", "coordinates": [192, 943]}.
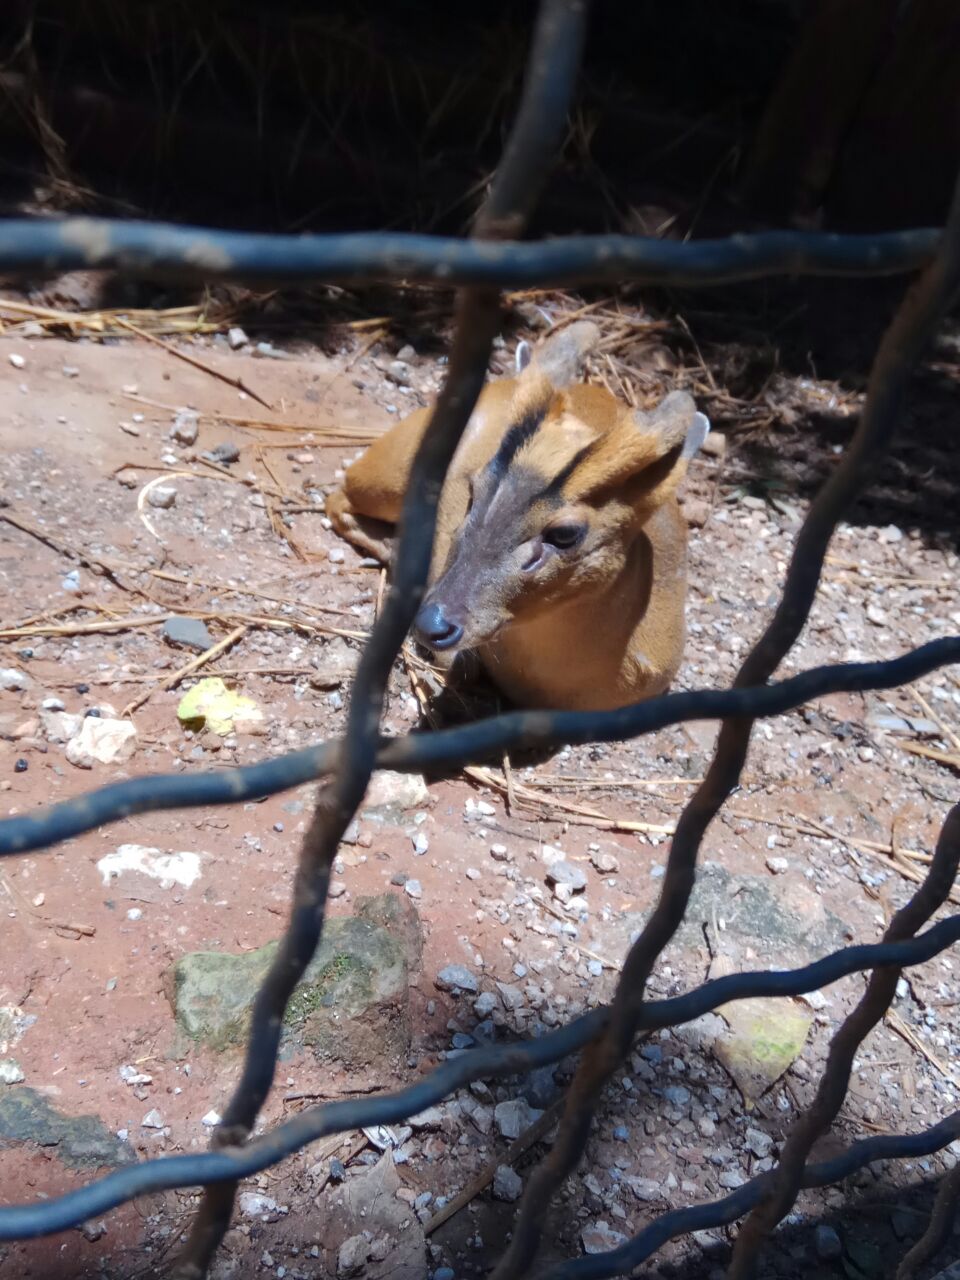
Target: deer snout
{"type": "Point", "coordinates": [435, 629]}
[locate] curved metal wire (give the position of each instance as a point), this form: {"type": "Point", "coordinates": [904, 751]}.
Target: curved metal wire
{"type": "Point", "coordinates": [47, 827]}
{"type": "Point", "coordinates": [493, 258]}
{"type": "Point", "coordinates": [495, 1061]}
{"type": "Point", "coordinates": [201, 253]}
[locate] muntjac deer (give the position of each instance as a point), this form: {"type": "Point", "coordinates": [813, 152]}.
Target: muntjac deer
{"type": "Point", "coordinates": [560, 551]}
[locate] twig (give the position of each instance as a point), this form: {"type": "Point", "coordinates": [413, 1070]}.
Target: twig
{"type": "Point", "coordinates": [946, 731]}
{"type": "Point", "coordinates": [83, 628]}
{"type": "Point", "coordinates": [949, 758]}
{"type": "Point", "coordinates": [475, 1186]}
{"type": "Point", "coordinates": [194, 664]}
{"type": "Point", "coordinates": [906, 1032]}
{"type": "Point", "coordinates": [576, 946]}
{"type": "Point", "coordinates": [85, 558]}
{"type": "Point", "coordinates": [237, 383]}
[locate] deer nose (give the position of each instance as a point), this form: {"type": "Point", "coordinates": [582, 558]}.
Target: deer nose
{"type": "Point", "coordinates": [436, 629]}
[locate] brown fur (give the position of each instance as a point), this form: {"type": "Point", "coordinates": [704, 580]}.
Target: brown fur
{"type": "Point", "coordinates": [596, 625]}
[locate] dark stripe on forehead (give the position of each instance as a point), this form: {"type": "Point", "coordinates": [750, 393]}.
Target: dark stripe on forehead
{"type": "Point", "coordinates": [553, 489]}
{"type": "Point", "coordinates": [518, 435]}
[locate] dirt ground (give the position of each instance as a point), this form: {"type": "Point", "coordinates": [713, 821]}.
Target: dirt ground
{"type": "Point", "coordinates": [836, 812]}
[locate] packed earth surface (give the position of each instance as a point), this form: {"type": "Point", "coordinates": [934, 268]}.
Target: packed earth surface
{"type": "Point", "coordinates": [161, 525]}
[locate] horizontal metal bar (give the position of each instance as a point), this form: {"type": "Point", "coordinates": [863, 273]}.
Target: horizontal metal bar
{"type": "Point", "coordinates": [166, 1172]}
{"type": "Point", "coordinates": [34, 245]}
{"type": "Point", "coordinates": [702, 1217]}
{"type": "Point", "coordinates": [49, 826]}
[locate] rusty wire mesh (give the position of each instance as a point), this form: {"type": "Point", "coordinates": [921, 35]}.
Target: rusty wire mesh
{"type": "Point", "coordinates": [494, 258]}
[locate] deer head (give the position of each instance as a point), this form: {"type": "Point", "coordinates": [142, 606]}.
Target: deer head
{"type": "Point", "coordinates": [554, 514]}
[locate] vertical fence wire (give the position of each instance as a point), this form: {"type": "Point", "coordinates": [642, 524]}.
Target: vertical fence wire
{"type": "Point", "coordinates": [899, 350]}
{"type": "Point", "coordinates": [604, 1035]}
{"type": "Point", "coordinates": [537, 132]}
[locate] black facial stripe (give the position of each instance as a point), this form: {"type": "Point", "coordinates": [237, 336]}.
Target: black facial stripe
{"type": "Point", "coordinates": [514, 440]}
{"type": "Point", "coordinates": [552, 490]}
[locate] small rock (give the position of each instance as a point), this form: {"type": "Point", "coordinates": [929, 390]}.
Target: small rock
{"type": "Point", "coordinates": [777, 866]}
{"type": "Point", "coordinates": [152, 1120]}
{"type": "Point", "coordinates": [70, 371]}
{"type": "Point", "coordinates": [224, 454]}
{"type": "Point", "coordinates": [827, 1243]}
{"type": "Point", "coordinates": [758, 1142]}
{"type": "Point", "coordinates": [236, 338]}
{"type": "Point", "coordinates": [730, 1179]}
{"type": "Point", "coordinates": [645, 1189]}
{"type": "Point", "coordinates": [413, 888]}
{"type": "Point", "coordinates": [485, 1004]}
{"type": "Point", "coordinates": [255, 1205]}
{"type": "Point", "coordinates": [677, 1095]}
{"type": "Point", "coordinates": [891, 534]}
{"type": "Point", "coordinates": [696, 511]}
{"type": "Point", "coordinates": [600, 1237]}
{"type": "Point", "coordinates": [336, 889]}
{"type": "Point", "coordinates": [507, 1184]}
{"type": "Point", "coordinates": [456, 978]}
{"type": "Point", "coordinates": [568, 874]}
{"type": "Point", "coordinates": [162, 496]}
{"type": "Point", "coordinates": [10, 1071]}
{"type": "Point", "coordinates": [13, 680]}
{"type": "Point", "coordinates": [131, 1076]}
{"type": "Point", "coordinates": [514, 1116]}
{"type": "Point", "coordinates": [511, 995]}
{"type": "Point", "coordinates": [876, 615]}
{"type": "Point", "coordinates": [604, 862]}
{"type": "Point", "coordinates": [398, 371]}
{"type": "Point", "coordinates": [71, 581]}
{"type": "Point", "coordinates": [397, 790]}
{"type": "Point", "coordinates": [500, 853]}
{"type": "Point", "coordinates": [353, 1255]}
{"type": "Point", "coordinates": [16, 360]}
{"type": "Point", "coordinates": [186, 426]}
{"type": "Point", "coordinates": [336, 555]}
{"type": "Point", "coordinates": [93, 1230]}
{"type": "Point", "coordinates": [101, 740]}
{"type": "Point", "coordinates": [192, 633]}
{"type": "Point", "coordinates": [269, 352]}
{"type": "Point", "coordinates": [421, 844]}
{"type": "Point", "coordinates": [211, 1119]}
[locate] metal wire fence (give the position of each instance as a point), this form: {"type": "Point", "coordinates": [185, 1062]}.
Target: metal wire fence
{"type": "Point", "coordinates": [493, 258]}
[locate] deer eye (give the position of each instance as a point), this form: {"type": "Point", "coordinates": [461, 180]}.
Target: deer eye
{"type": "Point", "coordinates": [565, 536]}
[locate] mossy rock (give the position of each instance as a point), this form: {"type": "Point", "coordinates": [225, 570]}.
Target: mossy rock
{"type": "Point", "coordinates": [397, 914]}
{"type": "Point", "coordinates": [352, 1005]}
{"type": "Point", "coordinates": [82, 1142]}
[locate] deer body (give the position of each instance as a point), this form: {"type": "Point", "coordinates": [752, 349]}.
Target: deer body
{"type": "Point", "coordinates": [560, 550]}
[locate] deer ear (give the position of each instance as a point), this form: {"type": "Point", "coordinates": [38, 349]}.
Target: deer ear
{"type": "Point", "coordinates": [674, 423]}
{"type": "Point", "coordinates": [648, 452]}
{"type": "Point", "coordinates": [560, 360]}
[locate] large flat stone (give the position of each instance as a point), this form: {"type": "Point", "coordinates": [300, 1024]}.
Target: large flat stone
{"type": "Point", "coordinates": [82, 1142]}
{"type": "Point", "coordinates": [352, 1005]}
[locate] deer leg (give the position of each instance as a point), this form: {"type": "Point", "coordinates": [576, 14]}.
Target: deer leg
{"type": "Point", "coordinates": [373, 537]}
